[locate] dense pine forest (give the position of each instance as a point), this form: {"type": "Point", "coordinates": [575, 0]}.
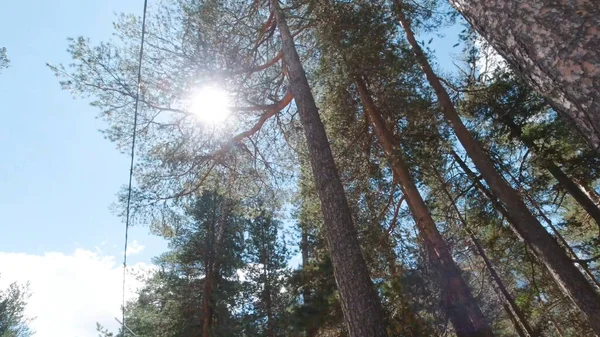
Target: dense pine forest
{"type": "Point", "coordinates": [354, 186]}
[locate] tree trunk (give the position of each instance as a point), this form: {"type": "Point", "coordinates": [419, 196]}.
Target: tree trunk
{"type": "Point", "coordinates": [268, 303]}
{"type": "Point", "coordinates": [563, 241]}
{"type": "Point", "coordinates": [503, 211]}
{"type": "Point", "coordinates": [484, 190]}
{"type": "Point", "coordinates": [591, 193]}
{"type": "Point", "coordinates": [464, 313]}
{"type": "Point", "coordinates": [557, 328]}
{"type": "Point", "coordinates": [206, 305]}
{"type": "Point", "coordinates": [553, 45]}
{"type": "Point", "coordinates": [363, 314]}
{"type": "Point", "coordinates": [215, 237]}
{"type": "Point", "coordinates": [581, 196]}
{"type": "Point", "coordinates": [521, 324]}
{"type": "Point", "coordinates": [527, 226]}
{"type": "Point", "coordinates": [311, 325]}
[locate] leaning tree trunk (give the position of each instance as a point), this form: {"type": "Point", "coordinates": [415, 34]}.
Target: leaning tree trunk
{"type": "Point", "coordinates": [524, 223]}
{"type": "Point", "coordinates": [554, 45]}
{"type": "Point", "coordinates": [363, 314]}
{"type": "Point", "coordinates": [516, 315]}
{"type": "Point", "coordinates": [458, 302]}
{"type": "Point", "coordinates": [577, 191]}
{"type": "Point", "coordinates": [498, 207]}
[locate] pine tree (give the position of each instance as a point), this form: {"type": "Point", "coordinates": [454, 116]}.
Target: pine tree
{"type": "Point", "coordinates": [526, 225]}
{"type": "Point", "coordinates": [266, 272]}
{"type": "Point", "coordinates": [4, 61]}
{"type": "Point", "coordinates": [13, 320]}
{"type": "Point", "coordinates": [362, 311]}
{"type": "Point", "coordinates": [553, 46]}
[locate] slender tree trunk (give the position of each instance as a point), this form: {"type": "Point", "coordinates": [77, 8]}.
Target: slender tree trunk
{"type": "Point", "coordinates": [214, 243]}
{"type": "Point", "coordinates": [590, 192]}
{"type": "Point", "coordinates": [267, 299]}
{"type": "Point", "coordinates": [484, 190]}
{"type": "Point", "coordinates": [554, 45]}
{"type": "Point", "coordinates": [206, 305]}
{"type": "Point", "coordinates": [268, 304]}
{"type": "Point", "coordinates": [548, 251]}
{"type": "Point", "coordinates": [563, 241]}
{"type": "Point", "coordinates": [464, 313]}
{"type": "Point", "coordinates": [521, 324]}
{"type": "Point", "coordinates": [363, 314]}
{"type": "Point", "coordinates": [209, 278]}
{"type": "Point", "coordinates": [311, 326]}
{"type": "Point", "coordinates": [581, 196]}
{"type": "Point", "coordinates": [557, 328]}
{"type": "Point", "coordinates": [503, 211]}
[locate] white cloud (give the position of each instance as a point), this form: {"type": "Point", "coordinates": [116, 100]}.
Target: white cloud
{"type": "Point", "coordinates": [70, 293]}
{"type": "Point", "coordinates": [134, 248]}
{"type": "Point", "coordinates": [489, 59]}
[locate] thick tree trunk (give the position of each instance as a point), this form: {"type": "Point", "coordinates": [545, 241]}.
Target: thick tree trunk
{"type": "Point", "coordinates": [363, 314]}
{"type": "Point", "coordinates": [581, 196]}
{"type": "Point", "coordinates": [554, 45]}
{"type": "Point", "coordinates": [520, 322]}
{"type": "Point", "coordinates": [527, 226]}
{"type": "Point", "coordinates": [464, 313]}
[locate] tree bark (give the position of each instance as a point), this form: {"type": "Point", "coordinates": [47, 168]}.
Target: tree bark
{"type": "Point", "coordinates": [525, 224]}
{"type": "Point", "coordinates": [362, 310]}
{"type": "Point", "coordinates": [520, 322]}
{"type": "Point", "coordinates": [268, 303]}
{"type": "Point", "coordinates": [553, 45]}
{"type": "Point", "coordinates": [311, 325]}
{"type": "Point", "coordinates": [504, 213]}
{"type": "Point", "coordinates": [581, 196]}
{"type": "Point", "coordinates": [459, 303]}
{"type": "Point", "coordinates": [206, 303]}
{"type": "Point", "coordinates": [564, 242]}
{"type": "Point", "coordinates": [215, 236]}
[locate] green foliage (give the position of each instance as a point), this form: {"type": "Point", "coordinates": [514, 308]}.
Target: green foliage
{"type": "Point", "coordinates": [238, 249]}
{"type": "Point", "coordinates": [217, 196]}
{"type": "Point", "coordinates": [4, 61]}
{"type": "Point", "coordinates": [13, 320]}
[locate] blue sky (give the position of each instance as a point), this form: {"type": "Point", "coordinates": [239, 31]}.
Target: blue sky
{"type": "Point", "coordinates": [58, 175]}
{"type": "Point", "coordinates": [57, 172]}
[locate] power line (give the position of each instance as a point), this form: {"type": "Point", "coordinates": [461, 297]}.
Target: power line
{"type": "Point", "coordinates": [135, 118]}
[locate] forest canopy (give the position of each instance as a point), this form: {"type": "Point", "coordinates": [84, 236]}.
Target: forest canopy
{"type": "Point", "coordinates": [417, 200]}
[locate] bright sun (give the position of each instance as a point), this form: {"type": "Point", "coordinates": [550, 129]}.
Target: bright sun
{"type": "Point", "coordinates": [210, 104]}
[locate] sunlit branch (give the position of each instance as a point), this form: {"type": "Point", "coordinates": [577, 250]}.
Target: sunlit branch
{"type": "Point", "coordinates": [394, 222]}
{"type": "Point", "coordinates": [261, 67]}
{"type": "Point", "coordinates": [214, 158]}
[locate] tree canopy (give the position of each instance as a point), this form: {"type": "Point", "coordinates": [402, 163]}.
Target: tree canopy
{"type": "Point", "coordinates": [416, 200]}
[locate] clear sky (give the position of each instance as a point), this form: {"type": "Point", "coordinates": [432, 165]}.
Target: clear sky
{"type": "Point", "coordinates": [58, 176]}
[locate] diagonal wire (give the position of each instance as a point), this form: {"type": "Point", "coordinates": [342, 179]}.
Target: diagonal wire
{"type": "Point", "coordinates": [135, 118]}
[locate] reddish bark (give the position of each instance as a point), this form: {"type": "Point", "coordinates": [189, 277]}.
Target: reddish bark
{"type": "Point", "coordinates": [524, 223]}
{"type": "Point", "coordinates": [520, 322]}
{"type": "Point", "coordinates": [464, 313]}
